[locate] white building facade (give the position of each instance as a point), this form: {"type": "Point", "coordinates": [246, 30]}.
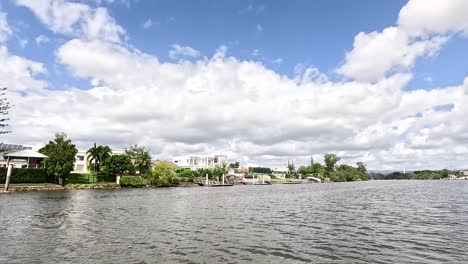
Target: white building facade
{"type": "Point", "coordinates": [81, 161]}
{"type": "Point", "coordinates": [195, 162]}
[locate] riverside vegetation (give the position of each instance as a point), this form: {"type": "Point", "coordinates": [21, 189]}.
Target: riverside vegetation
{"type": "Point", "coordinates": [136, 170]}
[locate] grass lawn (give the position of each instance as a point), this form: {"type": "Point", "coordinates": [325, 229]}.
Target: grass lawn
{"type": "Point", "coordinates": [81, 178]}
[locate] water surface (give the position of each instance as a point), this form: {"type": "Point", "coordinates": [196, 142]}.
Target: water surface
{"type": "Point", "coordinates": [361, 222]}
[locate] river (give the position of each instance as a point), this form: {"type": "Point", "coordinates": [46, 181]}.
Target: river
{"type": "Point", "coordinates": [359, 222]}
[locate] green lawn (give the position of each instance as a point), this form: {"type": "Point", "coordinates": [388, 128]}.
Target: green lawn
{"type": "Point", "coordinates": [81, 178]}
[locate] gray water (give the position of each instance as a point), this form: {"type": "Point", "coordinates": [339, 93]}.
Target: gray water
{"type": "Point", "coordinates": [361, 222]}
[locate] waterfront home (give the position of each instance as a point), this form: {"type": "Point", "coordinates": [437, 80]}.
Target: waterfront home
{"type": "Point", "coordinates": [195, 162]}
{"type": "Point", "coordinates": [19, 156]}
{"type": "Point", "coordinates": [279, 171]}
{"type": "Point", "coordinates": [81, 161]}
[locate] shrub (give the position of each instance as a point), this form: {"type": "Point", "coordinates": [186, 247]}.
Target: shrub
{"type": "Point", "coordinates": [163, 176]}
{"type": "Point", "coordinates": [132, 181]}
{"type": "Point", "coordinates": [26, 175]}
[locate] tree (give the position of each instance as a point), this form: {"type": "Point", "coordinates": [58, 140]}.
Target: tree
{"type": "Point", "coordinates": [163, 175]}
{"type": "Point", "coordinates": [234, 165]}
{"type": "Point", "coordinates": [318, 169]}
{"type": "Point", "coordinates": [93, 156]}
{"type": "Point", "coordinates": [140, 157]}
{"type": "Point", "coordinates": [60, 157]}
{"type": "Point", "coordinates": [361, 167]}
{"type": "Point", "coordinates": [117, 165]}
{"type": "Point", "coordinates": [330, 162]}
{"type": "Point", "coordinates": [104, 152]}
{"type": "Point", "coordinates": [98, 155]}
{"type": "Point", "coordinates": [4, 107]}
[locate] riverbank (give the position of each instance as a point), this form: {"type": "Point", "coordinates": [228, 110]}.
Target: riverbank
{"type": "Point", "coordinates": [56, 187]}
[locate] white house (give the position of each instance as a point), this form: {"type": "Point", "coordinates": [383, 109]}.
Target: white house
{"type": "Point", "coordinates": [200, 162]}
{"type": "Point", "coordinates": [81, 161]}
{"type": "Point", "coordinates": [279, 171]}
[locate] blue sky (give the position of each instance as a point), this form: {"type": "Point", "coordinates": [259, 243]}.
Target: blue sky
{"type": "Point", "coordinates": [383, 82]}
{"type": "Point", "coordinates": [317, 33]}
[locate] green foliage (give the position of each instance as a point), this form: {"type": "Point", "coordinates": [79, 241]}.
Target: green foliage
{"type": "Point", "coordinates": [348, 173]}
{"type": "Point", "coordinates": [140, 157]}
{"type": "Point", "coordinates": [361, 167]}
{"type": "Point", "coordinates": [187, 174]}
{"type": "Point", "coordinates": [260, 170]}
{"type": "Point", "coordinates": [98, 155]}
{"type": "Point", "coordinates": [61, 156]}
{"type": "Point", "coordinates": [330, 162]}
{"type": "Point", "coordinates": [26, 175]}
{"type": "Point", "coordinates": [416, 175]}
{"type": "Point", "coordinates": [163, 176]}
{"type": "Point", "coordinates": [132, 181]}
{"type": "Point", "coordinates": [234, 165]}
{"type": "Point", "coordinates": [115, 165]}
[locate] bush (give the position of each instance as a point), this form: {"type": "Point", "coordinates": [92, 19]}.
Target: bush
{"type": "Point", "coordinates": [132, 181]}
{"type": "Point", "coordinates": [26, 175]}
{"type": "Point", "coordinates": [105, 176]}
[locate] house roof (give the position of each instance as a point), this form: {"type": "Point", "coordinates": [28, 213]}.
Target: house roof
{"type": "Point", "coordinates": [4, 147]}
{"type": "Point", "coordinates": [26, 153]}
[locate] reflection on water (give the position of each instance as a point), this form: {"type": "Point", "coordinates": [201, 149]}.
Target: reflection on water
{"type": "Point", "coordinates": [362, 222]}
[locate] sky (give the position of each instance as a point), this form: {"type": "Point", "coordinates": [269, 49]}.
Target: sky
{"type": "Point", "coordinates": [264, 82]}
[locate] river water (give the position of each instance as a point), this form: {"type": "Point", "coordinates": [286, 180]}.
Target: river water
{"type": "Point", "coordinates": [360, 222]}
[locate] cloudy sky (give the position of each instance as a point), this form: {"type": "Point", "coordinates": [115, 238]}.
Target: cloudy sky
{"type": "Point", "coordinates": [262, 81]}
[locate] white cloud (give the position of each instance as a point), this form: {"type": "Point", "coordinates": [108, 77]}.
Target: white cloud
{"type": "Point", "coordinates": [240, 108]}
{"type": "Point", "coordinates": [427, 17]}
{"type": "Point", "coordinates": [76, 19]}
{"type": "Point", "coordinates": [178, 51]}
{"type": "Point", "coordinates": [377, 53]}
{"type": "Point", "coordinates": [41, 39]}
{"type": "Point", "coordinates": [422, 29]}
{"type": "Point", "coordinates": [5, 30]}
{"type": "Point", "coordinates": [19, 74]}
{"type": "Point", "coordinates": [150, 23]}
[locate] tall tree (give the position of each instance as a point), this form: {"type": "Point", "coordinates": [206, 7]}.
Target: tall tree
{"type": "Point", "coordinates": [119, 164]}
{"type": "Point", "coordinates": [104, 152]}
{"type": "Point", "coordinates": [93, 156]}
{"type": "Point", "coordinates": [4, 110]}
{"type": "Point", "coordinates": [97, 155]}
{"type": "Point", "coordinates": [330, 162]}
{"type": "Point", "coordinates": [140, 157]}
{"type": "Point", "coordinates": [361, 167]}
{"type": "Point", "coordinates": [61, 156]}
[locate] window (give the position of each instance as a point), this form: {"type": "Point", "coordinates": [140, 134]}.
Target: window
{"type": "Point", "coordinates": [80, 158]}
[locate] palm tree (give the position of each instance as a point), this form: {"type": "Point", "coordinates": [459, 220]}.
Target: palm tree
{"type": "Point", "coordinates": [104, 153]}
{"type": "Point", "coordinates": [93, 156]}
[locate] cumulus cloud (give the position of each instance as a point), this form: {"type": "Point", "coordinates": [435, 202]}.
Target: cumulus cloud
{"type": "Point", "coordinates": [376, 53]}
{"type": "Point", "coordinates": [75, 19]}
{"type": "Point", "coordinates": [423, 28]}
{"type": "Point", "coordinates": [19, 74]}
{"type": "Point", "coordinates": [427, 17]}
{"type": "Point", "coordinates": [178, 51]}
{"type": "Point", "coordinates": [236, 107]}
